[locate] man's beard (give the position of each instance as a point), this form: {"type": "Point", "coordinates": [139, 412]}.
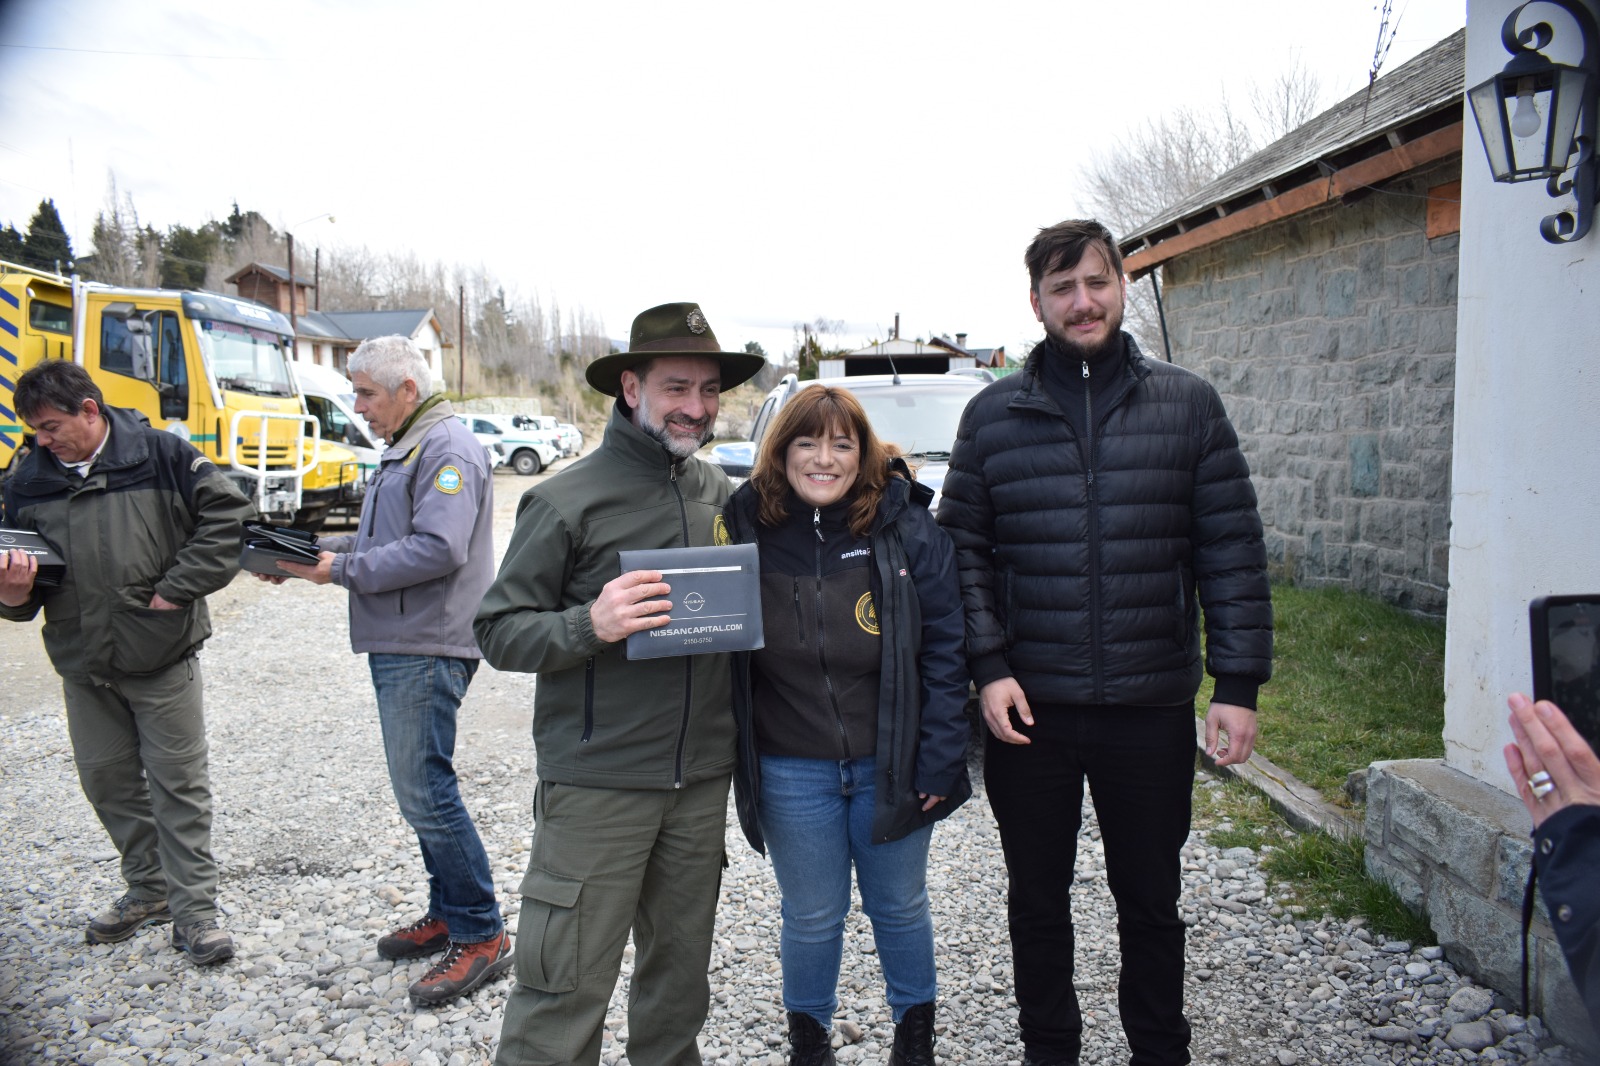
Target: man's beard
{"type": "Point", "coordinates": [676, 446]}
{"type": "Point", "coordinates": [1089, 352]}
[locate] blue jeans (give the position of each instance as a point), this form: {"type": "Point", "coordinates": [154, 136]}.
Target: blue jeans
{"type": "Point", "coordinates": [418, 696]}
{"type": "Point", "coordinates": [816, 815]}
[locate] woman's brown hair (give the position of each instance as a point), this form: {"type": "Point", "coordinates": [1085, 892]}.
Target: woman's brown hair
{"type": "Point", "coordinates": [822, 411]}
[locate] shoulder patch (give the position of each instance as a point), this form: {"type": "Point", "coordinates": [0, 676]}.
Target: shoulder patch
{"type": "Point", "coordinates": [719, 531]}
{"type": "Point", "coordinates": [199, 461]}
{"type": "Point", "coordinates": [448, 480]}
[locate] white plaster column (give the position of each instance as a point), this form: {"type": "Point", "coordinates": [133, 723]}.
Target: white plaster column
{"type": "Point", "coordinates": [1525, 509]}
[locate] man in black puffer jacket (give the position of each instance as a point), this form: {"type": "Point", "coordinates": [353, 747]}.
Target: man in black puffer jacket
{"type": "Point", "coordinates": [1098, 500]}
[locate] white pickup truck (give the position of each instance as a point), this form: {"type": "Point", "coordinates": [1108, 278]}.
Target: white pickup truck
{"type": "Point", "coordinates": [527, 450]}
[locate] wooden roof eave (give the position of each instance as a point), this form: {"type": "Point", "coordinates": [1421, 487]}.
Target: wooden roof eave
{"type": "Point", "coordinates": [1277, 205]}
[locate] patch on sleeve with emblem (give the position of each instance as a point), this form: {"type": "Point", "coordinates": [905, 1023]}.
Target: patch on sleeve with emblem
{"type": "Point", "coordinates": [448, 480]}
{"type": "Point", "coordinates": [199, 461]}
{"type": "Point", "coordinates": [719, 531]}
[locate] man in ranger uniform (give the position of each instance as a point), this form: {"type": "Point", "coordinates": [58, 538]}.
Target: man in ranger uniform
{"type": "Point", "coordinates": [416, 568]}
{"type": "Point", "coordinates": [148, 528]}
{"type": "Point", "coordinates": [634, 757]}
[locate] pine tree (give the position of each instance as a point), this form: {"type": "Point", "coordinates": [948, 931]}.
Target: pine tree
{"type": "Point", "coordinates": [10, 243]}
{"type": "Point", "coordinates": [47, 244]}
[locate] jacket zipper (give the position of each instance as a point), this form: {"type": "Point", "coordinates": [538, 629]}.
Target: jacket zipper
{"type": "Point", "coordinates": [822, 654]}
{"type": "Point", "coordinates": [688, 660]}
{"type": "Point", "coordinates": [799, 623]}
{"type": "Point", "coordinates": [588, 700]}
{"type": "Point", "coordinates": [1094, 537]}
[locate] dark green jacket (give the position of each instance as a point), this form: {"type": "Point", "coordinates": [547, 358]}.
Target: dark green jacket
{"type": "Point", "coordinates": [153, 516]}
{"type": "Point", "coordinates": [599, 719]}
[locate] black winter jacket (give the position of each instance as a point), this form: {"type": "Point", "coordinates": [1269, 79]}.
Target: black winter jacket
{"type": "Point", "coordinates": [1084, 563]}
{"type": "Point", "coordinates": [922, 727]}
{"type": "Point", "coordinates": [1566, 852]}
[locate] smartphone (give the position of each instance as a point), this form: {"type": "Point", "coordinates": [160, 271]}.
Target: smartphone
{"type": "Point", "coordinates": [1566, 658]}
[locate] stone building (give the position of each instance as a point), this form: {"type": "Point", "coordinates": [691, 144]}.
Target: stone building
{"type": "Point", "coordinates": [1315, 286]}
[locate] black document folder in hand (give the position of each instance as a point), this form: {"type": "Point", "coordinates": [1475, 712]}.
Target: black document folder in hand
{"type": "Point", "coordinates": [52, 568]}
{"type": "Point", "coordinates": [716, 600]}
{"type": "Point", "coordinates": [264, 545]}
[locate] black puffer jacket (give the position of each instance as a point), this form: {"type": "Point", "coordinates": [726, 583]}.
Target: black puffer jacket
{"type": "Point", "coordinates": [922, 729]}
{"type": "Point", "coordinates": [1084, 562]}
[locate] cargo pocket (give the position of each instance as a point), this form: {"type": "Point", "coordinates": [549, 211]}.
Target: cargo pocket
{"type": "Point", "coordinates": [144, 639]}
{"type": "Point", "coordinates": [547, 932]}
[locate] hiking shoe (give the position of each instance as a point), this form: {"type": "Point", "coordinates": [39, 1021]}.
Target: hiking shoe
{"type": "Point", "coordinates": [204, 941]}
{"type": "Point", "coordinates": [126, 917]}
{"type": "Point", "coordinates": [463, 968]}
{"type": "Point", "coordinates": [422, 937]}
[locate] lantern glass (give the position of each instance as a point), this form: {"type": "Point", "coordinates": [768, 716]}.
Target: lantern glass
{"type": "Point", "coordinates": [1558, 93]}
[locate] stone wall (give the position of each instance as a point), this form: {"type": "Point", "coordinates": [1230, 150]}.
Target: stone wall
{"type": "Point", "coordinates": [1459, 849]}
{"type": "Point", "coordinates": [1331, 337]}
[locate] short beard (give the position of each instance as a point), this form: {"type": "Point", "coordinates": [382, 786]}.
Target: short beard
{"type": "Point", "coordinates": [1089, 353]}
{"type": "Point", "coordinates": [677, 447]}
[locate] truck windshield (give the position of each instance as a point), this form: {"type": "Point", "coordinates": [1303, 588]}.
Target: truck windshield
{"type": "Point", "coordinates": [244, 359]}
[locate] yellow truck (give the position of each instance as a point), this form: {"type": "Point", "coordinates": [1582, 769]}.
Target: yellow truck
{"type": "Point", "coordinates": [213, 369]}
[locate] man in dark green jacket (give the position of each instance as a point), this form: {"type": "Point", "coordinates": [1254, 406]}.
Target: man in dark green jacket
{"type": "Point", "coordinates": [634, 756]}
{"type": "Point", "coordinates": [148, 527]}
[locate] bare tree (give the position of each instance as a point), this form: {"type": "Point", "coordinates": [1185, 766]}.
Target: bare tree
{"type": "Point", "coordinates": [1168, 159]}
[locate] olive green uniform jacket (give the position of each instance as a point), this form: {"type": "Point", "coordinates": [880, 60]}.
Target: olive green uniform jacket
{"type": "Point", "coordinates": [153, 516]}
{"type": "Point", "coordinates": [599, 719]}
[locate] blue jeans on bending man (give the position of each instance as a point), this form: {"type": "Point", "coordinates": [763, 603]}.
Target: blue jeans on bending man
{"type": "Point", "coordinates": [418, 697]}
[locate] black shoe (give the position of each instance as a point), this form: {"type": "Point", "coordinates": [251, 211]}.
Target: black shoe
{"type": "Point", "coordinates": [913, 1037]}
{"type": "Point", "coordinates": [1031, 1059]}
{"type": "Point", "coordinates": [204, 941]}
{"type": "Point", "coordinates": [126, 917]}
{"type": "Point", "coordinates": [809, 1042]}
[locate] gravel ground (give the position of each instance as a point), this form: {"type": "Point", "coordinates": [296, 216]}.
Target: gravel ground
{"type": "Point", "coordinates": [316, 862]}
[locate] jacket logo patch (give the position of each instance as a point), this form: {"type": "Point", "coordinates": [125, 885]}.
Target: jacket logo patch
{"type": "Point", "coordinates": [448, 481]}
{"type": "Point", "coordinates": [719, 531]}
{"type": "Point", "coordinates": [867, 614]}
{"type": "Point", "coordinates": [199, 461]}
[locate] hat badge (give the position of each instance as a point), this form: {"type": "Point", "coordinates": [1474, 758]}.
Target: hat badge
{"type": "Point", "coordinates": [697, 322]}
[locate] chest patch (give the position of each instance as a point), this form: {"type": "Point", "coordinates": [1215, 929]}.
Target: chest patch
{"type": "Point", "coordinates": [448, 480]}
{"type": "Point", "coordinates": [867, 614]}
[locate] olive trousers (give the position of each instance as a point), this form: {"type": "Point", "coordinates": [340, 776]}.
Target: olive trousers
{"type": "Point", "coordinates": [606, 861]}
{"type": "Point", "coordinates": [140, 746]}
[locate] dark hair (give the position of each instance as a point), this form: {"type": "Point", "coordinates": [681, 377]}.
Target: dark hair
{"type": "Point", "coordinates": [55, 385]}
{"type": "Point", "coordinates": [1061, 246]}
{"type": "Point", "coordinates": [821, 411]}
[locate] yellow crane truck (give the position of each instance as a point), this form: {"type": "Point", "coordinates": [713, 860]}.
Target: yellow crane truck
{"type": "Point", "coordinates": [213, 369]}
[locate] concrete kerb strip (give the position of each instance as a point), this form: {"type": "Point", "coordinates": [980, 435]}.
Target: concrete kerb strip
{"type": "Point", "coordinates": [1300, 805]}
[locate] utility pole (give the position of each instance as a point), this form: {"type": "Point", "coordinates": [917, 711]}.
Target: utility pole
{"type": "Point", "coordinates": [294, 322]}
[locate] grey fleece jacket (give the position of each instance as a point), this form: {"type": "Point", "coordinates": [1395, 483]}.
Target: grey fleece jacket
{"type": "Point", "coordinates": [424, 553]}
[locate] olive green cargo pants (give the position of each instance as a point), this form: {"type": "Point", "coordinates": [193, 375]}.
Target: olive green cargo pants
{"type": "Point", "coordinates": [604, 861]}
{"type": "Point", "coordinates": [140, 746]}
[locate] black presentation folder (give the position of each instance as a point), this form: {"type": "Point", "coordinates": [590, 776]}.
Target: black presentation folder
{"type": "Point", "coordinates": [52, 568]}
{"type": "Point", "coordinates": [264, 545]}
{"type": "Point", "coordinates": [716, 600]}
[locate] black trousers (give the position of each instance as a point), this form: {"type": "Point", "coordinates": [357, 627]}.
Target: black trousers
{"type": "Point", "coordinates": [1139, 762]}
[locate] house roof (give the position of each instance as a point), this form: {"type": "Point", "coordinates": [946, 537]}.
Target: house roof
{"type": "Point", "coordinates": [357, 326]}
{"type": "Point", "coordinates": [277, 272]}
{"type": "Point", "coordinates": [899, 346]}
{"type": "Point", "coordinates": [1405, 119]}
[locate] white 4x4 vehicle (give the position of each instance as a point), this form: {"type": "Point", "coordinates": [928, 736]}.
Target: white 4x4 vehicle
{"type": "Point", "coordinates": [528, 451]}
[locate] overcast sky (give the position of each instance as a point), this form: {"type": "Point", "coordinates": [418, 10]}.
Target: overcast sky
{"type": "Point", "coordinates": [777, 164]}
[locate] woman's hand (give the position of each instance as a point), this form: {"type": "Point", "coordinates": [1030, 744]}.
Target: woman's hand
{"type": "Point", "coordinates": [929, 802]}
{"type": "Point", "coordinates": [1552, 765]}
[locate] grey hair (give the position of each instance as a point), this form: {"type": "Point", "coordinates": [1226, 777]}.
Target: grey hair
{"type": "Point", "coordinates": [389, 361]}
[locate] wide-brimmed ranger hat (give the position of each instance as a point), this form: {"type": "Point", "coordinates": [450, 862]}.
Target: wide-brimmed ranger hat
{"type": "Point", "coordinates": [671, 329]}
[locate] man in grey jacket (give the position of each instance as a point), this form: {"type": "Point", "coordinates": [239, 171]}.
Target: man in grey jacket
{"type": "Point", "coordinates": [420, 561]}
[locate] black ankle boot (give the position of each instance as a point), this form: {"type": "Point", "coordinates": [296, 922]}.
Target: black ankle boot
{"type": "Point", "coordinates": [809, 1042]}
{"type": "Point", "coordinates": [913, 1037]}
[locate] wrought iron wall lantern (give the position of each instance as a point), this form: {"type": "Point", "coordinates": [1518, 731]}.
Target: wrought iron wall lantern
{"type": "Point", "coordinates": [1536, 115]}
